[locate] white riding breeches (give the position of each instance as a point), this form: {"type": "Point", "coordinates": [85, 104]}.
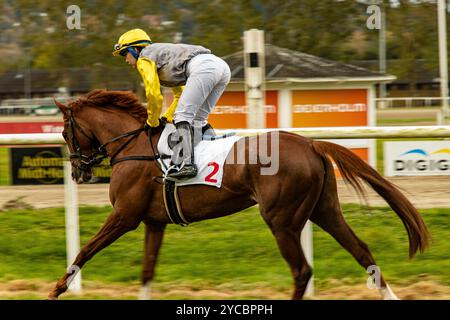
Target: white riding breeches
{"type": "Point", "coordinates": [208, 76]}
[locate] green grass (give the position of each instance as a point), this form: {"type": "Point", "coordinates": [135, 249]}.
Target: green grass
{"type": "Point", "coordinates": [237, 250]}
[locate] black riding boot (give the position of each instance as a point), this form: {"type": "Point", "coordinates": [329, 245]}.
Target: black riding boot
{"type": "Point", "coordinates": [208, 132]}
{"type": "Point", "coordinates": [187, 169]}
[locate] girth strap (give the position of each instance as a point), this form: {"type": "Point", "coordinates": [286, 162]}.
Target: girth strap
{"type": "Point", "coordinates": [172, 204]}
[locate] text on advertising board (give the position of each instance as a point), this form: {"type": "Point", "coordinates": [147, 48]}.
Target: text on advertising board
{"type": "Point", "coordinates": [45, 165]}
{"type": "Point", "coordinates": [413, 158]}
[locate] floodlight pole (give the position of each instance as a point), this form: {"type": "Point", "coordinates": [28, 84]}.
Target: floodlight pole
{"type": "Point", "coordinates": [443, 64]}
{"type": "Point", "coordinates": [382, 50]}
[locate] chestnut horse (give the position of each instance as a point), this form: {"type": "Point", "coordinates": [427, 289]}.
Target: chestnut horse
{"type": "Point", "coordinates": [109, 123]}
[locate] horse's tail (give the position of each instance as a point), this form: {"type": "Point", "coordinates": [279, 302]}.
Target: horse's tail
{"type": "Point", "coordinates": [353, 169]}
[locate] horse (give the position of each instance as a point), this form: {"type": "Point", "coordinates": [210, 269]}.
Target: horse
{"type": "Point", "coordinates": [304, 187]}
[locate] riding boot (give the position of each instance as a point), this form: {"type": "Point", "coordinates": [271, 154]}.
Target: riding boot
{"type": "Point", "coordinates": [208, 132]}
{"type": "Point", "coordinates": [187, 169]}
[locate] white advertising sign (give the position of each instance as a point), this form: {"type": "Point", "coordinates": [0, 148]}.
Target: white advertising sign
{"type": "Point", "coordinates": [416, 158]}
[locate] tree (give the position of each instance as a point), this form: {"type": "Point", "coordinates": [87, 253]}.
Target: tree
{"type": "Point", "coordinates": [413, 36]}
{"type": "Point", "coordinates": [334, 29]}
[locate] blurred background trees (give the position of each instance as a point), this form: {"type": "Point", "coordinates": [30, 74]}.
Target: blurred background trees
{"type": "Point", "coordinates": [34, 34]}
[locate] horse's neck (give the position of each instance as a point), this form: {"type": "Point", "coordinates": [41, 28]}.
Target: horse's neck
{"type": "Point", "coordinates": [109, 125]}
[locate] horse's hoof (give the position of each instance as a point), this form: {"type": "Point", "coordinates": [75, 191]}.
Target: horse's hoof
{"type": "Point", "coordinates": [52, 297]}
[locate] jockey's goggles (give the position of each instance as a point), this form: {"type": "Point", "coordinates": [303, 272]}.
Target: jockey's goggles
{"type": "Point", "coordinates": [121, 49]}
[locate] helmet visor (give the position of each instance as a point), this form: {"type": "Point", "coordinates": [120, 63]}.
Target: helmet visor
{"type": "Point", "coordinates": [123, 52]}
{"type": "Point", "coordinates": [120, 49]}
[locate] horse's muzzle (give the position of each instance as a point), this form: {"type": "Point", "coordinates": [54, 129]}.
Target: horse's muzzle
{"type": "Point", "coordinates": [82, 176]}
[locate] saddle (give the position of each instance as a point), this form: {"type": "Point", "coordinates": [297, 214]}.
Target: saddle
{"type": "Point", "coordinates": [205, 151]}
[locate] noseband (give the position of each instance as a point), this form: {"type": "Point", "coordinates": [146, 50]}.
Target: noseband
{"type": "Point", "coordinates": [100, 153]}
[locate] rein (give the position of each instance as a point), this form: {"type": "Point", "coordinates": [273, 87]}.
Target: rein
{"type": "Point", "coordinates": [100, 154]}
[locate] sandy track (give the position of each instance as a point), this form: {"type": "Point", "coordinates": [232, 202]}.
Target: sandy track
{"type": "Point", "coordinates": [424, 192]}
{"type": "Point", "coordinates": [34, 289]}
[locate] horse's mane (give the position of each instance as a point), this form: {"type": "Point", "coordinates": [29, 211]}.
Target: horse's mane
{"type": "Point", "coordinates": [125, 100]}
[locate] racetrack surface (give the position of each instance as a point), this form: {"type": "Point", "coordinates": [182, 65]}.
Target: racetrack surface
{"type": "Point", "coordinates": [34, 289]}
{"type": "Point", "coordinates": [423, 192]}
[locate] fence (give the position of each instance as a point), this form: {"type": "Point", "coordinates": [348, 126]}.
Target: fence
{"type": "Point", "coordinates": [409, 102]}
{"type": "Point", "coordinates": [71, 203]}
{"type": "Point", "coordinates": [442, 113]}
{"type": "Point", "coordinates": [34, 106]}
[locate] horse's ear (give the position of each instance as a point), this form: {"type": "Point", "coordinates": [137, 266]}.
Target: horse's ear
{"type": "Point", "coordinates": [61, 106]}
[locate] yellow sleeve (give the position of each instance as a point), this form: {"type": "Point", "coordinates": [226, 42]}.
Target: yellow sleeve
{"type": "Point", "coordinates": [177, 91]}
{"type": "Point", "coordinates": [149, 74]}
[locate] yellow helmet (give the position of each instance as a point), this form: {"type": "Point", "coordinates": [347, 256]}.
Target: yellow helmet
{"type": "Point", "coordinates": [132, 38]}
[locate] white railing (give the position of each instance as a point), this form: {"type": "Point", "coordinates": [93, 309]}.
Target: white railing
{"type": "Point", "coordinates": [36, 106]}
{"type": "Point", "coordinates": [316, 133]}
{"type": "Point", "coordinates": [382, 103]}
{"type": "Point", "coordinates": [357, 132]}
{"type": "Point", "coordinates": [33, 101]}
{"type": "Point", "coordinates": [71, 203]}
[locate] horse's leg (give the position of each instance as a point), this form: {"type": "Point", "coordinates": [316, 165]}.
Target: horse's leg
{"type": "Point", "coordinates": [289, 244]}
{"type": "Point", "coordinates": [113, 228]}
{"type": "Point", "coordinates": [153, 239]}
{"type": "Point", "coordinates": [286, 222]}
{"type": "Point", "coordinates": [329, 217]}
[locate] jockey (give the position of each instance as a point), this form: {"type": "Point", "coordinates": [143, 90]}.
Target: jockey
{"type": "Point", "coordinates": [197, 79]}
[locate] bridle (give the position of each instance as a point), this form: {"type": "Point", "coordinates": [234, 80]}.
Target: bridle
{"type": "Point", "coordinates": [100, 153]}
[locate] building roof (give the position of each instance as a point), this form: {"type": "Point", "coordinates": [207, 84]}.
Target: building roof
{"type": "Point", "coordinates": [283, 64]}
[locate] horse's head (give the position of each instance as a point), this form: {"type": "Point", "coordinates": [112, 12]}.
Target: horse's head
{"type": "Point", "coordinates": [110, 113]}
{"type": "Point", "coordinates": [83, 145]}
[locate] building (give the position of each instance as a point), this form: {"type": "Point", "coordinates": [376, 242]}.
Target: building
{"type": "Point", "coordinates": [302, 90]}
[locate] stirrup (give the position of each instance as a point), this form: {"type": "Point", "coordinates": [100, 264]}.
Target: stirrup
{"type": "Point", "coordinates": [193, 175]}
{"type": "Point", "coordinates": [171, 169]}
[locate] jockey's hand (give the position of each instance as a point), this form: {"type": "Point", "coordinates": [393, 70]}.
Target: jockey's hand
{"type": "Point", "coordinates": [147, 127]}
{"type": "Point", "coordinates": [162, 123]}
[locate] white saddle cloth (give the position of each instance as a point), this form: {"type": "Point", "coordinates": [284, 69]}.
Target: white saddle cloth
{"type": "Point", "coordinates": [209, 156]}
